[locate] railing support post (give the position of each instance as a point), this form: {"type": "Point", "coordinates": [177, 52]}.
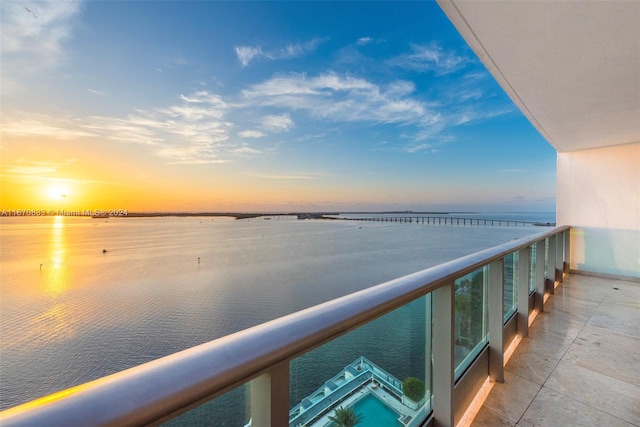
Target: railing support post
{"type": "Point", "coordinates": [524, 267]}
{"type": "Point", "coordinates": [496, 320]}
{"type": "Point", "coordinates": [443, 355]}
{"type": "Point", "coordinates": [270, 398]}
{"type": "Point", "coordinates": [540, 279]}
{"type": "Point", "coordinates": [551, 264]}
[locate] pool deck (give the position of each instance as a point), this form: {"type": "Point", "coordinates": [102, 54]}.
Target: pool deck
{"type": "Point", "coordinates": [390, 401]}
{"type": "Point", "coordinates": [580, 364]}
{"type": "Point", "coordinates": [360, 378]}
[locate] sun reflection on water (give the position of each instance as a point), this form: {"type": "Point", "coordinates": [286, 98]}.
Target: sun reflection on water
{"type": "Point", "coordinates": [56, 273]}
{"type": "Point", "coordinates": [54, 322]}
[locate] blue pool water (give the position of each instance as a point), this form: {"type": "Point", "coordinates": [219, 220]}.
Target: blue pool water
{"type": "Point", "coordinates": [376, 413]}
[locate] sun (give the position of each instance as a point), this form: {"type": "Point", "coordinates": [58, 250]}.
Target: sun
{"type": "Point", "coordinates": [58, 192]}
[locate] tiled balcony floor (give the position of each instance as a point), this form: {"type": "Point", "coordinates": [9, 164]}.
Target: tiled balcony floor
{"type": "Point", "coordinates": [580, 365]}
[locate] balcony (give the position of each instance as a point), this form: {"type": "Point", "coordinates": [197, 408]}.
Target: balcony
{"type": "Point", "coordinates": [575, 358]}
{"type": "Point", "coordinates": [579, 365]}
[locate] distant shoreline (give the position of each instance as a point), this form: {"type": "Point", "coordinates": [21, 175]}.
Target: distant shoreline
{"type": "Point", "coordinates": [329, 215]}
{"type": "Point", "coordinates": [247, 215]}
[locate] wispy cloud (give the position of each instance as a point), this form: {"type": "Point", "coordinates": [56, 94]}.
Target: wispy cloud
{"type": "Point", "coordinates": [246, 54]}
{"type": "Point", "coordinates": [23, 167]}
{"type": "Point", "coordinates": [25, 171]}
{"type": "Point", "coordinates": [196, 128]}
{"type": "Point", "coordinates": [42, 36]}
{"type": "Point", "coordinates": [18, 123]}
{"type": "Point", "coordinates": [246, 150]}
{"type": "Point", "coordinates": [96, 92]}
{"type": "Point", "coordinates": [340, 98]}
{"type": "Point", "coordinates": [417, 148]}
{"type": "Point", "coordinates": [32, 44]}
{"type": "Point", "coordinates": [30, 47]}
{"type": "Point", "coordinates": [251, 134]}
{"type": "Point", "coordinates": [192, 131]}
{"type": "Point", "coordinates": [431, 57]}
{"type": "Point", "coordinates": [364, 40]}
{"type": "Point", "coordinates": [277, 123]}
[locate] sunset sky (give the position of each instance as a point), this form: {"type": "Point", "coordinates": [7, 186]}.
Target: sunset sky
{"type": "Point", "coordinates": [268, 106]}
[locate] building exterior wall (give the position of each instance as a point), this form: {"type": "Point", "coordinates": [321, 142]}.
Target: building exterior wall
{"type": "Point", "coordinates": [598, 194]}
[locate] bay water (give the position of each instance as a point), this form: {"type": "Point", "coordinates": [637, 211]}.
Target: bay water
{"type": "Point", "coordinates": [81, 298]}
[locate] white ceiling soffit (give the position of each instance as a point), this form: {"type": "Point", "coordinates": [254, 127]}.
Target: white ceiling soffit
{"type": "Point", "coordinates": [572, 67]}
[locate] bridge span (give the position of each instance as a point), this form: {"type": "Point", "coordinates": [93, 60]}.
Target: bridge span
{"type": "Point", "coordinates": [444, 220]}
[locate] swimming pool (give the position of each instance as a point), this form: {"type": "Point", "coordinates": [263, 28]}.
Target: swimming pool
{"type": "Point", "coordinates": [376, 413]}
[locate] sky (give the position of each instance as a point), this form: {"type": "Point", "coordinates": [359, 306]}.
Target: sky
{"type": "Point", "coordinates": [257, 107]}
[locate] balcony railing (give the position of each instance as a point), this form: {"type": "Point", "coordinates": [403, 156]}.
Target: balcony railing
{"type": "Point", "coordinates": [470, 308]}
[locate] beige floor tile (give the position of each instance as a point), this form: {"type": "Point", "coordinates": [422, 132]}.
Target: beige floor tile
{"type": "Point", "coordinates": [553, 409]}
{"type": "Point", "coordinates": [533, 362]}
{"type": "Point", "coordinates": [617, 318]}
{"type": "Point", "coordinates": [556, 323]}
{"type": "Point", "coordinates": [607, 394]}
{"type": "Point", "coordinates": [488, 418]}
{"type": "Point", "coordinates": [606, 352]}
{"type": "Point", "coordinates": [512, 397]}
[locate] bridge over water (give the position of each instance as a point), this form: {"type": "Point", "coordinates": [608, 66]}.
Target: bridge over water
{"type": "Point", "coordinates": [445, 220]}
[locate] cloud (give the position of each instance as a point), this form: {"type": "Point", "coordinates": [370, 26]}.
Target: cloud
{"type": "Point", "coordinates": [246, 54]}
{"type": "Point", "coordinates": [431, 57]}
{"type": "Point", "coordinates": [18, 123]}
{"type": "Point", "coordinates": [417, 148]}
{"type": "Point", "coordinates": [31, 45]}
{"type": "Point", "coordinates": [25, 171]}
{"type": "Point", "coordinates": [340, 98]}
{"type": "Point", "coordinates": [192, 131]}
{"type": "Point", "coordinates": [246, 150]}
{"type": "Point", "coordinates": [277, 123]}
{"type": "Point", "coordinates": [97, 92]}
{"type": "Point", "coordinates": [32, 168]}
{"type": "Point", "coordinates": [364, 40]}
{"type": "Point", "coordinates": [251, 134]}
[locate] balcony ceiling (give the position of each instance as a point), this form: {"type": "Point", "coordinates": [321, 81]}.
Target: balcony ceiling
{"type": "Point", "coordinates": [573, 68]}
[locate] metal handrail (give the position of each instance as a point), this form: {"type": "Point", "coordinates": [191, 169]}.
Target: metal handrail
{"type": "Point", "coordinates": [162, 389]}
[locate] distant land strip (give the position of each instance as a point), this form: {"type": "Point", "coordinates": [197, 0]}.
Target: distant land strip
{"type": "Point", "coordinates": [310, 215]}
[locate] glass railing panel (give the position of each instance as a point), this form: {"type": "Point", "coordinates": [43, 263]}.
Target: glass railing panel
{"type": "Point", "coordinates": [379, 373]}
{"type": "Point", "coordinates": [471, 317]}
{"type": "Point", "coordinates": [230, 409]}
{"type": "Point", "coordinates": [510, 284]}
{"type": "Point", "coordinates": [532, 269]}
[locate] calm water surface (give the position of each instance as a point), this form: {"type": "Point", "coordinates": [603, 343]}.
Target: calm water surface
{"type": "Point", "coordinates": [84, 314]}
